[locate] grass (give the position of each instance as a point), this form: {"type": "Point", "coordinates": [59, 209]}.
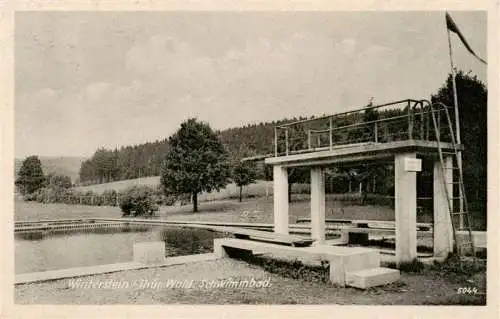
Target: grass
{"type": "Point", "coordinates": [294, 269]}
{"type": "Point", "coordinates": [468, 276]}
{"type": "Point", "coordinates": [452, 266]}
{"type": "Point", "coordinates": [231, 191]}
{"type": "Point", "coordinates": [414, 266]}
{"type": "Point", "coordinates": [37, 211]}
{"type": "Point", "coordinates": [458, 270]}
{"type": "Point", "coordinates": [120, 185]}
{"type": "Point", "coordinates": [257, 210]}
{"type": "Point", "coordinates": [259, 189]}
{"type": "Point", "coordinates": [258, 198]}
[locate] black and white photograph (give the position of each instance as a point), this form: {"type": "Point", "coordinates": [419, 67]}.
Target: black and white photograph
{"type": "Point", "coordinates": [252, 157]}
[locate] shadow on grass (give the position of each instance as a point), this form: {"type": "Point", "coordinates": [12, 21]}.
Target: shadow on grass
{"type": "Point", "coordinates": [294, 269]}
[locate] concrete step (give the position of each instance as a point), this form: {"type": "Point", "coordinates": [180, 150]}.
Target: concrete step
{"type": "Point", "coordinates": [372, 277]}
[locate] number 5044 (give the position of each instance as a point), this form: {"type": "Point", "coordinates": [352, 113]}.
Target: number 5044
{"type": "Point", "coordinates": [467, 290]}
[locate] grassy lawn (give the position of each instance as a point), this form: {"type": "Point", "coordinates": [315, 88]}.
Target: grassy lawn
{"type": "Point", "coordinates": [230, 191]}
{"type": "Point", "coordinates": [36, 211]}
{"type": "Point", "coordinates": [223, 205]}
{"type": "Point", "coordinates": [258, 210]}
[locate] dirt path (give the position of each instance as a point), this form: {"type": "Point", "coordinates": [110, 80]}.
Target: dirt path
{"type": "Point", "coordinates": [203, 283]}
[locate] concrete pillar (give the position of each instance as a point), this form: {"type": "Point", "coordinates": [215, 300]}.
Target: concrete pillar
{"type": "Point", "coordinates": [219, 250]}
{"type": "Point", "coordinates": [280, 181]}
{"type": "Point", "coordinates": [443, 230]}
{"type": "Point", "coordinates": [149, 252]}
{"type": "Point", "coordinates": [317, 204]}
{"type": "Point", "coordinates": [406, 208]}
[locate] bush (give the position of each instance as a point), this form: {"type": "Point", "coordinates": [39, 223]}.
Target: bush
{"type": "Point", "coordinates": [414, 266]}
{"type": "Point", "coordinates": [168, 200]}
{"type": "Point", "coordinates": [138, 201]}
{"type": "Point", "coordinates": [31, 197]}
{"type": "Point", "coordinates": [109, 197]}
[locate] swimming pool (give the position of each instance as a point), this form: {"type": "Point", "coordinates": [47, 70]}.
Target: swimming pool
{"type": "Point", "coordinates": [37, 251]}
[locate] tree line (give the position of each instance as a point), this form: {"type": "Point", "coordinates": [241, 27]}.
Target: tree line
{"type": "Point", "coordinates": [109, 165]}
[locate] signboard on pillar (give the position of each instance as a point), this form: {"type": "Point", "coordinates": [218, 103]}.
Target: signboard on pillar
{"type": "Point", "coordinates": [412, 164]}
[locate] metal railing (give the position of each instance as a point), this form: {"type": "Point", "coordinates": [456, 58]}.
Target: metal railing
{"type": "Point", "coordinates": [395, 121]}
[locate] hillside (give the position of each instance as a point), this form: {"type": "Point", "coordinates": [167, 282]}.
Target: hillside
{"type": "Point", "coordinates": [260, 188]}
{"type": "Point", "coordinates": [66, 165]}
{"type": "Point", "coordinates": [118, 186]}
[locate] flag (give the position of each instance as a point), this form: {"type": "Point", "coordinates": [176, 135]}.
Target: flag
{"type": "Point", "coordinates": [452, 26]}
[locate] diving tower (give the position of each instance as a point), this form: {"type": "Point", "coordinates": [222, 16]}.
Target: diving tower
{"type": "Point", "coordinates": [402, 133]}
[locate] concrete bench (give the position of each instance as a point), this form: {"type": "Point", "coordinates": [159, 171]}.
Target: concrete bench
{"type": "Point", "coordinates": [360, 235]}
{"type": "Point", "coordinates": [386, 224]}
{"type": "Point", "coordinates": [367, 223]}
{"type": "Point", "coordinates": [335, 221]}
{"type": "Point", "coordinates": [266, 236]}
{"type": "Point", "coordinates": [344, 262]}
{"type": "Point", "coordinates": [270, 237]}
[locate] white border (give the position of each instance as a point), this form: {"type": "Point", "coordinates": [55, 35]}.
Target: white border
{"type": "Point", "coordinates": [8, 309]}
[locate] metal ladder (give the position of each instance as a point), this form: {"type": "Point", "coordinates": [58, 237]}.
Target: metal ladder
{"type": "Point", "coordinates": [459, 247]}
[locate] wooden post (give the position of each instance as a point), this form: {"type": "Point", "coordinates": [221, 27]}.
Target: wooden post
{"type": "Point", "coordinates": [275, 141]}
{"type": "Point", "coordinates": [421, 121]}
{"type": "Point", "coordinates": [410, 122]}
{"type": "Point", "coordinates": [286, 141]}
{"type": "Point", "coordinates": [331, 132]}
{"type": "Point", "coordinates": [457, 125]}
{"type": "Point", "coordinates": [308, 139]}
{"type": "Point", "coordinates": [427, 124]}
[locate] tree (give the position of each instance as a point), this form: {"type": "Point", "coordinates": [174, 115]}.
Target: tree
{"type": "Point", "coordinates": [370, 115]}
{"type": "Point", "coordinates": [243, 174]}
{"type": "Point", "coordinates": [30, 177]}
{"type": "Point", "coordinates": [87, 171]}
{"type": "Point", "coordinates": [472, 102]}
{"type": "Point", "coordinates": [58, 181]}
{"type": "Point", "coordinates": [364, 132]}
{"type": "Point", "coordinates": [297, 175]}
{"type": "Point", "coordinates": [196, 162]}
{"type": "Point", "coordinates": [298, 141]}
{"type": "Point", "coordinates": [104, 162]}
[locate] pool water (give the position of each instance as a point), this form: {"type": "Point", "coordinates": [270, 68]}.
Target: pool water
{"type": "Point", "coordinates": [58, 250]}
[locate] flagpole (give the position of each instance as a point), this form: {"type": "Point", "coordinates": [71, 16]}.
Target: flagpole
{"type": "Point", "coordinates": [457, 127]}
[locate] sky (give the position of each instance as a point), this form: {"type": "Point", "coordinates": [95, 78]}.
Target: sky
{"type": "Point", "coordinates": [85, 80]}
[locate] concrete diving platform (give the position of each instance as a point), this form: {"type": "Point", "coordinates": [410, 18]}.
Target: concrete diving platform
{"type": "Point", "coordinates": [348, 266]}
{"type": "Point", "coordinates": [360, 152]}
